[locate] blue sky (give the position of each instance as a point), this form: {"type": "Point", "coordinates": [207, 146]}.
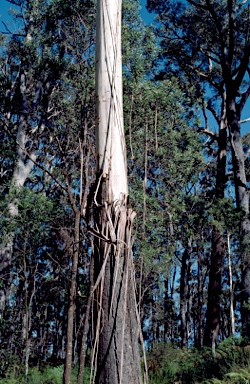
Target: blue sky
{"type": "Point", "coordinates": [5, 6]}
{"type": "Point", "coordinates": [148, 18]}
{"type": "Point", "coordinates": [4, 9]}
{"type": "Point", "coordinates": [5, 16]}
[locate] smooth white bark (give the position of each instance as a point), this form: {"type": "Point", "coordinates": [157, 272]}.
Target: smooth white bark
{"type": "Point", "coordinates": [22, 170]}
{"type": "Point", "coordinates": [111, 151]}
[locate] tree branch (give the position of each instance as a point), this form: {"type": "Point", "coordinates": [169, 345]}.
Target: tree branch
{"type": "Point", "coordinates": [9, 31]}
{"type": "Point", "coordinates": [244, 99]}
{"type": "Point", "coordinates": [221, 34]}
{"type": "Point", "coordinates": [198, 5]}
{"type": "Point", "coordinates": [71, 198]}
{"type": "Point", "coordinates": [208, 132]}
{"type": "Point", "coordinates": [247, 154]}
{"type": "Point", "coordinates": [212, 110]}
{"type": "Point", "coordinates": [41, 167]}
{"type": "Point", "coordinates": [243, 67]}
{"type": "Point", "coordinates": [231, 33]}
{"type": "Point", "coordinates": [244, 121]}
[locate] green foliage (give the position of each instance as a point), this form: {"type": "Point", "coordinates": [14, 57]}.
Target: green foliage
{"type": "Point", "coordinates": [139, 48]}
{"type": "Point", "coordinates": [46, 375]}
{"type": "Point", "coordinates": [169, 365]}
{"type": "Point", "coordinates": [165, 161]}
{"type": "Point", "coordinates": [240, 377]}
{"type": "Point", "coordinates": [227, 212]}
{"type": "Point", "coordinates": [35, 211]}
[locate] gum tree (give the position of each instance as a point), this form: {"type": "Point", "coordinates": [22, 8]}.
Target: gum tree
{"type": "Point", "coordinates": [116, 350]}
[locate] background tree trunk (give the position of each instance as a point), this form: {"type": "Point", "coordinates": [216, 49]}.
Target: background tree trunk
{"type": "Point", "coordinates": [22, 170]}
{"type": "Point", "coordinates": [242, 202]}
{"type": "Point", "coordinates": [72, 297]}
{"type": "Point", "coordinates": [86, 327]}
{"type": "Point", "coordinates": [183, 296]}
{"type": "Point", "coordinates": [231, 291]}
{"type": "Point", "coordinates": [218, 242]}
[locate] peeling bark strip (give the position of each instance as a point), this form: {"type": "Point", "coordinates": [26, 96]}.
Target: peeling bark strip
{"type": "Point", "coordinates": [116, 353]}
{"type": "Point", "coordinates": [116, 357]}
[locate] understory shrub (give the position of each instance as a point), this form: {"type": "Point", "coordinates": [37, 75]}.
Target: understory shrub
{"type": "Point", "coordinates": [170, 365]}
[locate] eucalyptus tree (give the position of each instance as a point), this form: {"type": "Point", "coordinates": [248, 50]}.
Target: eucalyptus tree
{"type": "Point", "coordinates": [117, 326]}
{"type": "Point", "coordinates": [13, 118]}
{"type": "Point", "coordinates": [26, 85]}
{"type": "Point", "coordinates": [47, 84]}
{"type": "Point", "coordinates": [208, 43]}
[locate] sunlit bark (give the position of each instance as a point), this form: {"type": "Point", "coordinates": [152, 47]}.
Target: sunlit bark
{"type": "Point", "coordinates": [116, 350]}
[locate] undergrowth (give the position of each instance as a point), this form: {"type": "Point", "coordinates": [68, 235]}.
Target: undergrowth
{"type": "Point", "coordinates": [46, 375]}
{"type": "Point", "coordinates": [169, 365]}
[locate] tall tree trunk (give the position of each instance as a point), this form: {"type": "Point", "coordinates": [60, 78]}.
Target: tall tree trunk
{"type": "Point", "coordinates": [172, 317]}
{"type": "Point", "coordinates": [231, 292]}
{"type": "Point", "coordinates": [242, 201]}
{"type": "Point", "coordinates": [116, 351]}
{"type": "Point", "coordinates": [214, 290]}
{"type": "Point", "coordinates": [20, 175]}
{"type": "Point", "coordinates": [218, 242]}
{"type": "Point", "coordinates": [166, 322]}
{"type": "Point", "coordinates": [199, 342]}
{"type": "Point", "coordinates": [183, 297]}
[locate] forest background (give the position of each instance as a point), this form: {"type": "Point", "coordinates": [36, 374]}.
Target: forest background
{"type": "Point", "coordinates": [191, 242]}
